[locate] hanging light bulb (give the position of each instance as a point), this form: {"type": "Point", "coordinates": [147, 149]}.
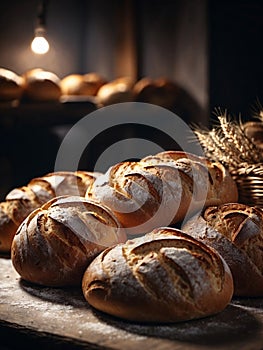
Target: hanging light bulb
{"type": "Point", "coordinates": [40, 44]}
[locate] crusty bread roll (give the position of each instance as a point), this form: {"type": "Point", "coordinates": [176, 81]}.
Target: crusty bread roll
{"type": "Point", "coordinates": [41, 86]}
{"type": "Point", "coordinates": [7, 227]}
{"type": "Point", "coordinates": [82, 84]}
{"type": "Point", "coordinates": [236, 232]}
{"type": "Point", "coordinates": [254, 131]}
{"type": "Point", "coordinates": [55, 243]}
{"type": "Point", "coordinates": [23, 200]}
{"type": "Point", "coordinates": [161, 92]}
{"type": "Point", "coordinates": [31, 72]}
{"type": "Point", "coordinates": [116, 91]}
{"type": "Point", "coordinates": [11, 85]}
{"type": "Point", "coordinates": [161, 190]}
{"type": "Point", "coordinates": [171, 95]}
{"type": "Point", "coordinates": [164, 276]}
{"type": "Point", "coordinates": [221, 187]}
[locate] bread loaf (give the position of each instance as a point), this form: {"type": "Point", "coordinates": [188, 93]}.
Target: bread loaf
{"type": "Point", "coordinates": [11, 85]}
{"type": "Point", "coordinates": [23, 200]}
{"type": "Point", "coordinates": [254, 131]}
{"type": "Point", "coordinates": [82, 84]}
{"type": "Point", "coordinates": [41, 86]}
{"type": "Point", "coordinates": [116, 91]}
{"type": "Point", "coordinates": [55, 243]}
{"type": "Point", "coordinates": [161, 92]}
{"type": "Point", "coordinates": [236, 232]}
{"type": "Point", "coordinates": [220, 187]}
{"type": "Point", "coordinates": [164, 276]}
{"type": "Point", "coordinates": [170, 95]}
{"type": "Point", "coordinates": [161, 190]}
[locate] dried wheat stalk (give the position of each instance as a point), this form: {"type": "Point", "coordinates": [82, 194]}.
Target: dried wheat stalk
{"type": "Point", "coordinates": [257, 110]}
{"type": "Point", "coordinates": [228, 144]}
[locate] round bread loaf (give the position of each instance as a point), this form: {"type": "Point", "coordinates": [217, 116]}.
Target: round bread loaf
{"type": "Point", "coordinates": [78, 84]}
{"type": "Point", "coordinates": [220, 187]}
{"type": "Point", "coordinates": [116, 91]}
{"type": "Point", "coordinates": [63, 183]}
{"type": "Point", "coordinates": [161, 190]}
{"type": "Point", "coordinates": [8, 226]}
{"type": "Point", "coordinates": [164, 276]}
{"type": "Point", "coordinates": [236, 232]}
{"type": "Point", "coordinates": [31, 72]}
{"type": "Point", "coordinates": [161, 92]}
{"type": "Point", "coordinates": [23, 200]}
{"type": "Point", "coordinates": [55, 243]}
{"type": "Point", "coordinates": [41, 86]}
{"type": "Point", "coordinates": [254, 131]}
{"type": "Point", "coordinates": [11, 85]}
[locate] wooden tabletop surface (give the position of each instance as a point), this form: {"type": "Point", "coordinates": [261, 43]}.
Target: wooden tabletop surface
{"type": "Point", "coordinates": [63, 314]}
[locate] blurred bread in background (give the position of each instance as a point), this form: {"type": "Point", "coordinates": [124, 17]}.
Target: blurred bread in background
{"type": "Point", "coordinates": [11, 85]}
{"type": "Point", "coordinates": [161, 91]}
{"type": "Point", "coordinates": [82, 84]}
{"type": "Point", "coordinates": [116, 91]}
{"type": "Point", "coordinates": [168, 94]}
{"type": "Point", "coordinates": [41, 85]}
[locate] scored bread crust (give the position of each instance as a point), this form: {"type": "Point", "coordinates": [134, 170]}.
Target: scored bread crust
{"type": "Point", "coordinates": [135, 192]}
{"type": "Point", "coordinates": [20, 202]}
{"type": "Point", "coordinates": [56, 242]}
{"type": "Point", "coordinates": [161, 190]}
{"type": "Point", "coordinates": [236, 231]}
{"type": "Point", "coordinates": [164, 276]}
{"type": "Point", "coordinates": [221, 186]}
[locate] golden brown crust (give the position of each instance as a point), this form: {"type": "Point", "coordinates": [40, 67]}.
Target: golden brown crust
{"type": "Point", "coordinates": [161, 190]}
{"type": "Point", "coordinates": [41, 85]}
{"type": "Point", "coordinates": [9, 226]}
{"type": "Point", "coordinates": [13, 211]}
{"type": "Point", "coordinates": [164, 276]}
{"type": "Point", "coordinates": [142, 196]}
{"type": "Point", "coordinates": [56, 242]}
{"type": "Point", "coordinates": [11, 85]}
{"type": "Point", "coordinates": [221, 186]}
{"type": "Point", "coordinates": [161, 92]}
{"type": "Point", "coordinates": [116, 91]}
{"type": "Point", "coordinates": [236, 231]}
{"type": "Point", "coordinates": [78, 84]}
{"type": "Point", "coordinates": [64, 182]}
{"type": "Point", "coordinates": [20, 202]}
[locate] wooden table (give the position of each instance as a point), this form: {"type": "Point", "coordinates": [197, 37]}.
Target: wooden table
{"type": "Point", "coordinates": [36, 316]}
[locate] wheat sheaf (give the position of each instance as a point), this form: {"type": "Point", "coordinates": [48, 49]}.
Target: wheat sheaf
{"type": "Point", "coordinates": [227, 143]}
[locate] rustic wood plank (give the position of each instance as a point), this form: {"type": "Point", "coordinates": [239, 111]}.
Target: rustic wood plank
{"type": "Point", "coordinates": [64, 315]}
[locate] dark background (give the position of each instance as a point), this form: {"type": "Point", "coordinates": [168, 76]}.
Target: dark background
{"type": "Point", "coordinates": [235, 55]}
{"type": "Point", "coordinates": [212, 49]}
{"type": "Point", "coordinates": [113, 37]}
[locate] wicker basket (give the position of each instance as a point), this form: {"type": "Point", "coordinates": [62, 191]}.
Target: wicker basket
{"type": "Point", "coordinates": [250, 189]}
{"type": "Point", "coordinates": [239, 147]}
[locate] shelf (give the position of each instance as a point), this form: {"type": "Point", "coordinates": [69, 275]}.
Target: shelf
{"type": "Point", "coordinates": [45, 113]}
